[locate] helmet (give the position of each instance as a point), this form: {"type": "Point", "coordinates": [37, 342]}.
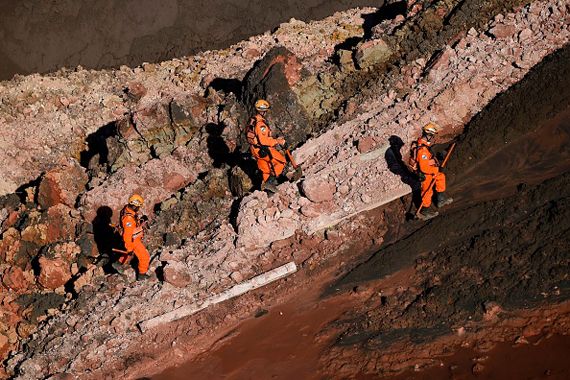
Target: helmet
{"type": "Point", "coordinates": [136, 200]}
{"type": "Point", "coordinates": [430, 129]}
{"type": "Point", "coordinates": [262, 105]}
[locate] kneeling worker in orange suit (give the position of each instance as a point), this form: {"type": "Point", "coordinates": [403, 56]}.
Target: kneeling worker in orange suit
{"type": "Point", "coordinates": [132, 233]}
{"type": "Point", "coordinates": [429, 167]}
{"type": "Point", "coordinates": [262, 146]}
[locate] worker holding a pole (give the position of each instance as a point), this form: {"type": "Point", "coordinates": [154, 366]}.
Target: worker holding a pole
{"type": "Point", "coordinates": [131, 225]}
{"type": "Point", "coordinates": [430, 174]}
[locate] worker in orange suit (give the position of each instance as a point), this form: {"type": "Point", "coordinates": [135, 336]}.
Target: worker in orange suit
{"type": "Point", "coordinates": [432, 177]}
{"type": "Point", "coordinates": [131, 226]}
{"type": "Point", "coordinates": [270, 161]}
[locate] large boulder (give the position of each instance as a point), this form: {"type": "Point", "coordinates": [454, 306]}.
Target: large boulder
{"type": "Point", "coordinates": [275, 78]}
{"type": "Point", "coordinates": [53, 272]}
{"type": "Point", "coordinates": [62, 185]}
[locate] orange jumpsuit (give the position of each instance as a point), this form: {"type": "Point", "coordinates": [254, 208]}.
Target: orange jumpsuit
{"type": "Point", "coordinates": [430, 167]}
{"type": "Point", "coordinates": [272, 164]}
{"type": "Point", "coordinates": [132, 237]}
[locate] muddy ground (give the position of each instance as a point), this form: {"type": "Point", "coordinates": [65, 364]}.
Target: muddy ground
{"type": "Point", "coordinates": [499, 250]}
{"type": "Point", "coordinates": [44, 36]}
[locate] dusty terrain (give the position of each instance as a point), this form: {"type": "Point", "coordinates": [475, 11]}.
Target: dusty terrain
{"type": "Point", "coordinates": [77, 143]}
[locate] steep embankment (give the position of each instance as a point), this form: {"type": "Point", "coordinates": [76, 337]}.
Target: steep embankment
{"type": "Point", "coordinates": [490, 269]}
{"type": "Point", "coordinates": [172, 132]}
{"type": "Point", "coordinates": [478, 268]}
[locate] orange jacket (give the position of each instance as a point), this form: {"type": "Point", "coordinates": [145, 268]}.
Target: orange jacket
{"type": "Point", "coordinates": [426, 161]}
{"type": "Point", "coordinates": [131, 228]}
{"type": "Point", "coordinates": [261, 135]}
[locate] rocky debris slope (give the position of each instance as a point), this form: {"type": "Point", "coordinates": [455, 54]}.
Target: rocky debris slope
{"type": "Point", "coordinates": [98, 36]}
{"type": "Point", "coordinates": [345, 170]}
{"type": "Point", "coordinates": [129, 129]}
{"type": "Point", "coordinates": [60, 110]}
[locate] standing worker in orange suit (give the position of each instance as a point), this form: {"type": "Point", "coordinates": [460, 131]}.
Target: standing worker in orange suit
{"type": "Point", "coordinates": [262, 146]}
{"type": "Point", "coordinates": [432, 177]}
{"type": "Point", "coordinates": [131, 225]}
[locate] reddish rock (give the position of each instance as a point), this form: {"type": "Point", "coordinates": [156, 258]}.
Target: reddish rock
{"type": "Point", "coordinates": [35, 233]}
{"type": "Point", "coordinates": [443, 61]}
{"type": "Point", "coordinates": [62, 185]}
{"type": "Point", "coordinates": [4, 345]}
{"type": "Point", "coordinates": [11, 219]}
{"type": "Point", "coordinates": [136, 90]}
{"type": "Point", "coordinates": [251, 53]}
{"type": "Point", "coordinates": [60, 224]}
{"type": "Point", "coordinates": [9, 244]}
{"type": "Point", "coordinates": [177, 274]}
{"type": "Point", "coordinates": [173, 181]}
{"type": "Point", "coordinates": [318, 189]}
{"type": "Point", "coordinates": [14, 279]}
{"type": "Point", "coordinates": [53, 273]}
{"type": "Point", "coordinates": [503, 31]}
{"type": "Point", "coordinates": [366, 144]}
{"type": "Point", "coordinates": [313, 210]}
{"type": "Point", "coordinates": [525, 34]}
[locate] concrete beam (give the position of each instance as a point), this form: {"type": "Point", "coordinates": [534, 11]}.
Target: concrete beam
{"type": "Point", "coordinates": [237, 290]}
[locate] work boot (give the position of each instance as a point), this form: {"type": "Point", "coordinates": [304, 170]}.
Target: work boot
{"type": "Point", "coordinates": [443, 200]}
{"type": "Point", "coordinates": [427, 213]}
{"type": "Point", "coordinates": [117, 266]}
{"type": "Point", "coordinates": [143, 276]}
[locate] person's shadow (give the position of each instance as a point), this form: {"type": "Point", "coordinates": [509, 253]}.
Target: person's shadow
{"type": "Point", "coordinates": [105, 236]}
{"type": "Point", "coordinates": [217, 147]}
{"type": "Point", "coordinates": [397, 166]}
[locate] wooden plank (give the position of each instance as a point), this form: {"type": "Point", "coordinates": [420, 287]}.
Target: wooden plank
{"type": "Point", "coordinates": [237, 290]}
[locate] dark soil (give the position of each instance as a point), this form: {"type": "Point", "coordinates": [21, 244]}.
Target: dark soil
{"type": "Point", "coordinates": [511, 250]}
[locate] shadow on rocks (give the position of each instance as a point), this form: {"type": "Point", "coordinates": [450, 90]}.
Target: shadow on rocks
{"type": "Point", "coordinates": [105, 236]}
{"type": "Point", "coordinates": [397, 166]}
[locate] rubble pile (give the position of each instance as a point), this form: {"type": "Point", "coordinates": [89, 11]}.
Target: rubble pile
{"type": "Point", "coordinates": [173, 132]}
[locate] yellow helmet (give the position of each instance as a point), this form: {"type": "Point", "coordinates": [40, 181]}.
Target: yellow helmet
{"type": "Point", "coordinates": [430, 129]}
{"type": "Point", "coordinates": [262, 105]}
{"type": "Point", "coordinates": [136, 200]}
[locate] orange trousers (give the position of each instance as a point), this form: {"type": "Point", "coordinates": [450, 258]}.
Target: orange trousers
{"type": "Point", "coordinates": [143, 257]}
{"type": "Point", "coordinates": [427, 190]}
{"type": "Point", "coordinates": [271, 166]}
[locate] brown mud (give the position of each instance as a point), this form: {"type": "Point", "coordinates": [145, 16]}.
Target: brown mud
{"type": "Point", "coordinates": [543, 357]}
{"type": "Point", "coordinates": [501, 246]}
{"type": "Point", "coordinates": [45, 36]}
